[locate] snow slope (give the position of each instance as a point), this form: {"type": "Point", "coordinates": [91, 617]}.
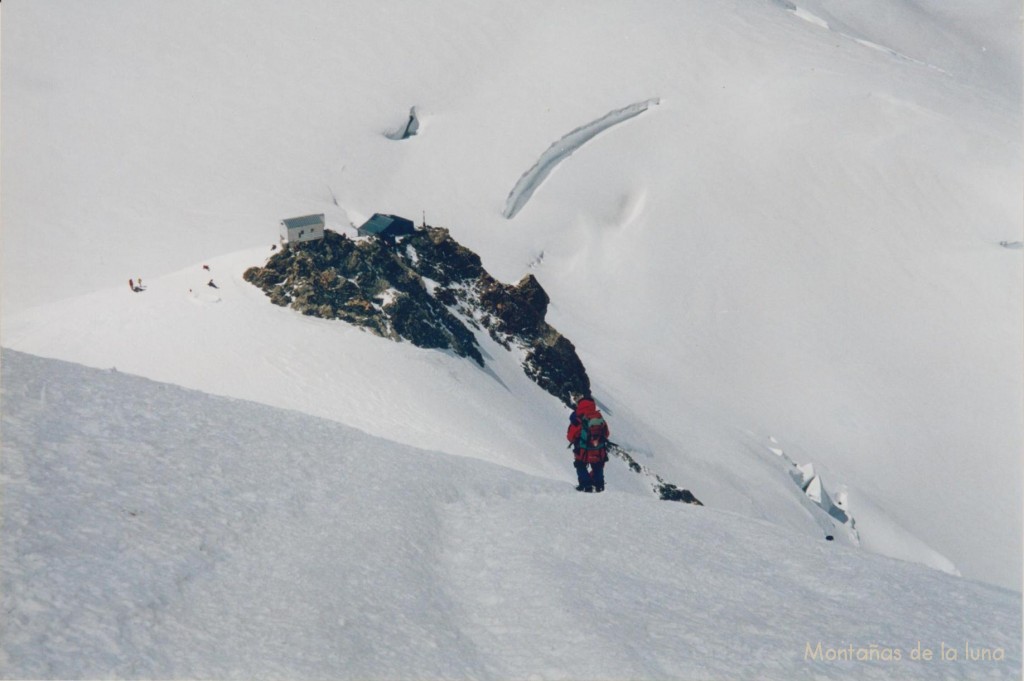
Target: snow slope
{"type": "Point", "coordinates": [418, 397]}
{"type": "Point", "coordinates": [156, 532]}
{"type": "Point", "coordinates": [799, 241]}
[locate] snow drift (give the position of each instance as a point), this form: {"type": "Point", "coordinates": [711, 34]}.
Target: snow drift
{"type": "Point", "coordinates": [155, 532]}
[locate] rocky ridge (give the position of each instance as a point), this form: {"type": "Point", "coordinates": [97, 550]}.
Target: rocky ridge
{"type": "Point", "coordinates": [429, 290]}
{"type": "Point", "coordinates": [432, 291]}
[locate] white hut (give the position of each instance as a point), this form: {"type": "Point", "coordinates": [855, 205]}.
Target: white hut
{"type": "Point", "coordinates": [303, 228]}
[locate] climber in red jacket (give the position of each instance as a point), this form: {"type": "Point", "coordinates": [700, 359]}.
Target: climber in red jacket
{"type": "Point", "coordinates": [588, 435]}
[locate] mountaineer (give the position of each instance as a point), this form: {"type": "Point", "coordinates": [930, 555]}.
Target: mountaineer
{"type": "Point", "coordinates": [588, 436]}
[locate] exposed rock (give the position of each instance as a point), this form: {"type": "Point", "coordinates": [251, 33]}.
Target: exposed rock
{"type": "Point", "coordinates": [427, 289]}
{"type": "Point", "coordinates": [442, 258]}
{"type": "Point", "coordinates": [553, 364]}
{"type": "Point", "coordinates": [428, 324]}
{"type": "Point", "coordinates": [519, 309]}
{"type": "Point", "coordinates": [666, 491]}
{"type": "Point", "coordinates": [669, 492]}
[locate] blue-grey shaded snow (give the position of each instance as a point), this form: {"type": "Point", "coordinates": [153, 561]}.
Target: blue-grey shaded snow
{"type": "Point", "coordinates": [407, 129]}
{"type": "Point", "coordinates": [562, 149]}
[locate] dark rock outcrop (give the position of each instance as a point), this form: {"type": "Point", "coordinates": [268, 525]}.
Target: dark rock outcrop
{"type": "Point", "coordinates": [666, 491]}
{"type": "Point", "coordinates": [669, 492]}
{"type": "Point", "coordinates": [427, 289]}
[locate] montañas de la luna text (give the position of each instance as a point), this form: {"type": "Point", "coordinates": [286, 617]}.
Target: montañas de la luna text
{"type": "Point", "coordinates": [874, 652]}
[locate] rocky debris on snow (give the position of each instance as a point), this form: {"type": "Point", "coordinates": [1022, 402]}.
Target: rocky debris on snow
{"type": "Point", "coordinates": [427, 289]}
{"type": "Point", "coordinates": [666, 491]}
{"type": "Point", "coordinates": [669, 492]}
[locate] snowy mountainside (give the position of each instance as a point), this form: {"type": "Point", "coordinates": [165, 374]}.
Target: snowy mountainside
{"type": "Point", "coordinates": [799, 241]}
{"type": "Point", "coordinates": [153, 531]}
{"type": "Point", "coordinates": [977, 42]}
{"type": "Point", "coordinates": [417, 396]}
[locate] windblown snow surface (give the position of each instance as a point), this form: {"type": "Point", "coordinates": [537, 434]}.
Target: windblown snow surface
{"type": "Point", "coordinates": [156, 532]}
{"type": "Point", "coordinates": [794, 258]}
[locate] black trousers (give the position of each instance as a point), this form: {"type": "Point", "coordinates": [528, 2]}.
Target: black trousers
{"type": "Point", "coordinates": [590, 475]}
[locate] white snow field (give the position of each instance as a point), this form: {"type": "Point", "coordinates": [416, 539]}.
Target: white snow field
{"type": "Point", "coordinates": [803, 255]}
{"type": "Point", "coordinates": [156, 532]}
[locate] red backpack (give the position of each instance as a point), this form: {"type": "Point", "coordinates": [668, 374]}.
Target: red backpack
{"type": "Point", "coordinates": [592, 445]}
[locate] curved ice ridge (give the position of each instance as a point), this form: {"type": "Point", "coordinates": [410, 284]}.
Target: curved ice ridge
{"type": "Point", "coordinates": [557, 152]}
{"type": "Point", "coordinates": [818, 21]}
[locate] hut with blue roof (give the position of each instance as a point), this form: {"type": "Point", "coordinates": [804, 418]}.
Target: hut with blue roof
{"type": "Point", "coordinates": [387, 226]}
